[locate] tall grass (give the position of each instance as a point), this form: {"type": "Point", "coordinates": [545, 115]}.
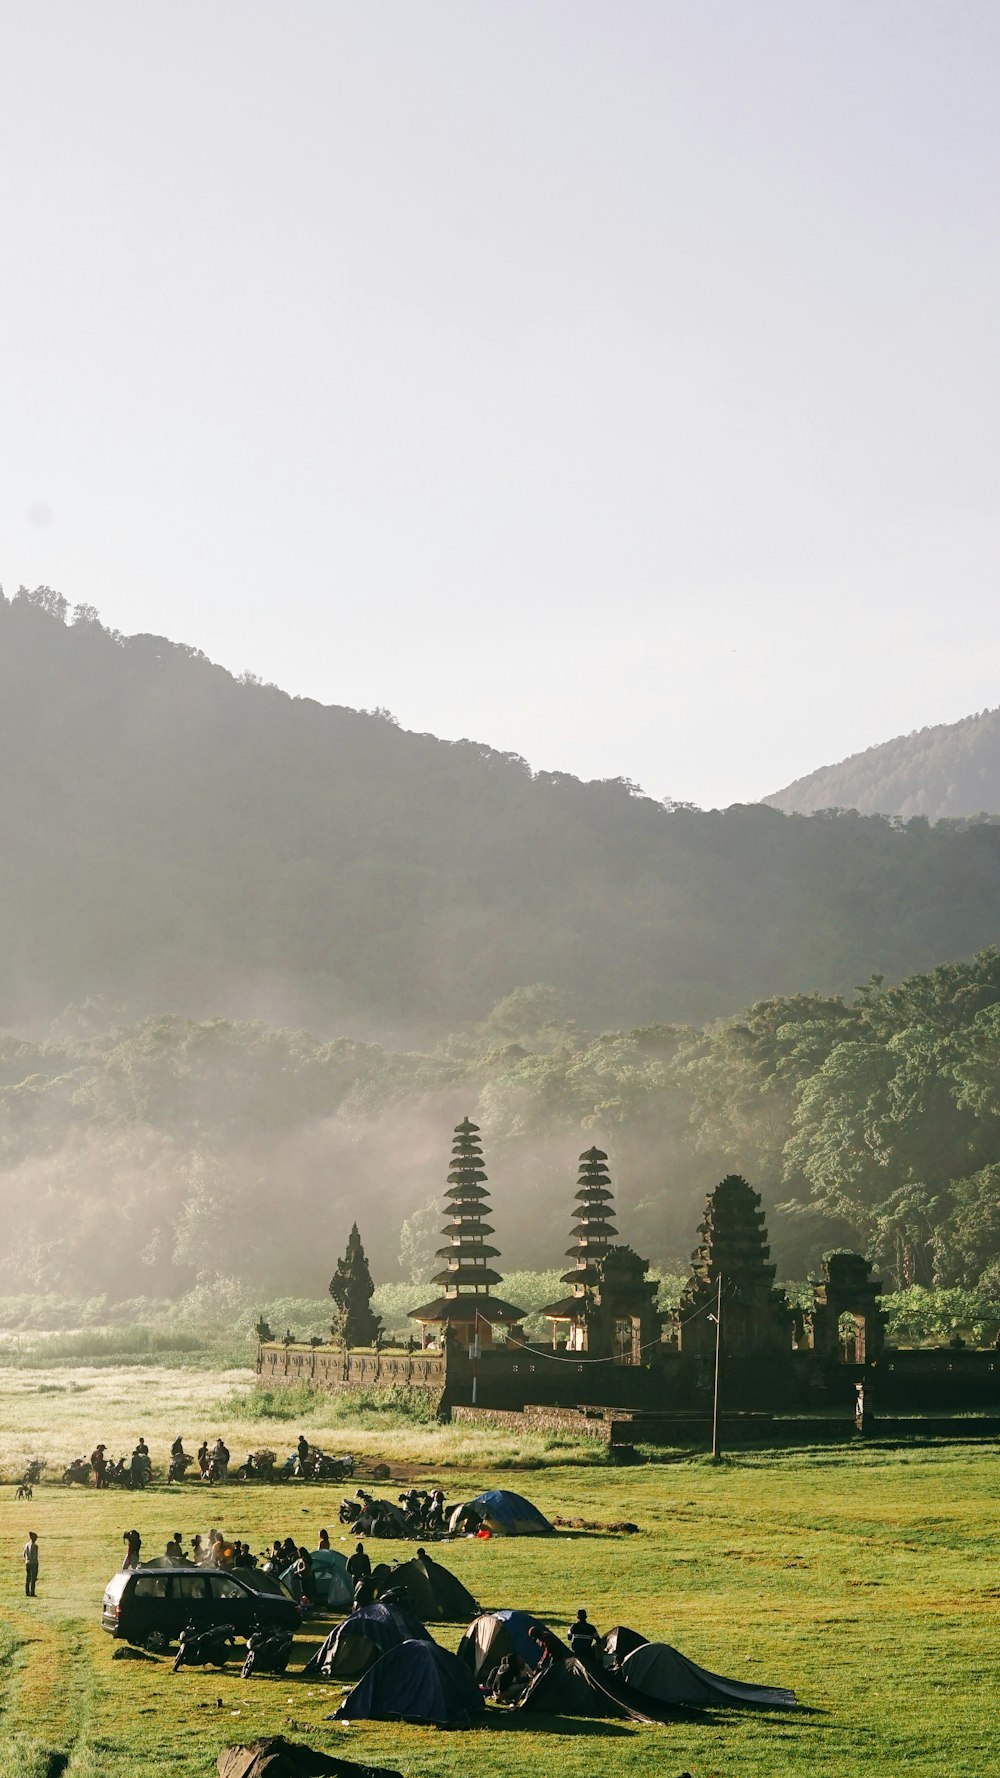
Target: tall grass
{"type": "Point", "coordinates": [114, 1345]}
{"type": "Point", "coordinates": [397, 1406]}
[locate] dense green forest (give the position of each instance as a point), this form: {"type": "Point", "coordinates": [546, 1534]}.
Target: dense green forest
{"type": "Point", "coordinates": [950, 770]}
{"type": "Point", "coordinates": [147, 1160]}
{"type": "Point", "coordinates": [177, 840]}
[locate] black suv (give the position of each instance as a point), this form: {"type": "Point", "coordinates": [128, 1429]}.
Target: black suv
{"type": "Point", "coordinates": [155, 1604]}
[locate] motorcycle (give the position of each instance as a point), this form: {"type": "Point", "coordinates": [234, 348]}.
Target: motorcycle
{"type": "Point", "coordinates": [267, 1651]}
{"type": "Point", "coordinates": [259, 1467]}
{"type": "Point", "coordinates": [203, 1648]}
{"type": "Point", "coordinates": [179, 1466]}
{"type": "Point", "coordinates": [78, 1471]}
{"type": "Point", "coordinates": [349, 1511]}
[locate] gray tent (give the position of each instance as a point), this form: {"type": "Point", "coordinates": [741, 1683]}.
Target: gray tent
{"type": "Point", "coordinates": [569, 1688]}
{"type": "Point", "coordinates": [659, 1671]}
{"type": "Point", "coordinates": [618, 1643]}
{"type": "Point", "coordinates": [274, 1757]}
{"type": "Point", "coordinates": [431, 1590]}
{"type": "Point", "coordinates": [353, 1646]}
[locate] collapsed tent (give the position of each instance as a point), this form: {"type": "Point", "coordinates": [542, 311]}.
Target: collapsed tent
{"type": "Point", "coordinates": [510, 1515]}
{"type": "Point", "coordinates": [495, 1634]}
{"type": "Point", "coordinates": [431, 1590]}
{"type": "Point", "coordinates": [274, 1757]}
{"type": "Point", "coordinates": [662, 1672]}
{"type": "Point", "coordinates": [569, 1688]}
{"type": "Point", "coordinates": [417, 1682]}
{"type": "Point", "coordinates": [354, 1645]}
{"type": "Point", "coordinates": [618, 1643]}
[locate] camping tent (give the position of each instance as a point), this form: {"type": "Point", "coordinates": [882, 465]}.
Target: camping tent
{"type": "Point", "coordinates": [495, 1634]}
{"type": "Point", "coordinates": [432, 1590]}
{"type": "Point", "coordinates": [569, 1688]}
{"type": "Point", "coordinates": [618, 1643]}
{"type": "Point", "coordinates": [659, 1671]}
{"type": "Point", "coordinates": [417, 1682]}
{"type": "Point", "coordinates": [510, 1515]}
{"type": "Point", "coordinates": [334, 1585]}
{"type": "Point", "coordinates": [274, 1757]}
{"type": "Point", "coordinates": [354, 1645]}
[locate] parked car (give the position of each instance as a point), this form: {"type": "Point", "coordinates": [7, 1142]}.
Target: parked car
{"type": "Point", "coordinates": [151, 1606]}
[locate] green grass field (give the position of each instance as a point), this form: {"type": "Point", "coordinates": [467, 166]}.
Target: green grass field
{"type": "Point", "coordinates": [867, 1580]}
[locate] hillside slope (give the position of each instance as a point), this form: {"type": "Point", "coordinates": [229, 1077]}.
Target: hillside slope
{"type": "Point", "coordinates": [177, 841]}
{"type": "Point", "coordinates": [952, 770]}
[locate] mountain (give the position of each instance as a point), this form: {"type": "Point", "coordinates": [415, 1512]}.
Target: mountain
{"type": "Point", "coordinates": [947, 771]}
{"type": "Point", "coordinates": [179, 841]}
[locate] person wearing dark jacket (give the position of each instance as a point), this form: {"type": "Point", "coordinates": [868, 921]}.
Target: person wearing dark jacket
{"type": "Point", "coordinates": [583, 1638]}
{"type": "Point", "coordinates": [31, 1565]}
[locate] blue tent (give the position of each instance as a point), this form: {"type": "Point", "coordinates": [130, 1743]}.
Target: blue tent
{"type": "Point", "coordinates": [510, 1515]}
{"type": "Point", "coordinates": [498, 1633]}
{"type": "Point", "coordinates": [417, 1682]}
{"type": "Point", "coordinates": [354, 1645]}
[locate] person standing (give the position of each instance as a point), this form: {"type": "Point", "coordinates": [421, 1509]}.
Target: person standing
{"type": "Point", "coordinates": [31, 1565]}
{"type": "Point", "coordinates": [583, 1638]}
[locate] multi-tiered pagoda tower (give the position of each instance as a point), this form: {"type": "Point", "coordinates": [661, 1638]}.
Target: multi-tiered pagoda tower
{"type": "Point", "coordinates": [466, 1306]}
{"type": "Point", "coordinates": [611, 1310]}
{"type": "Point", "coordinates": [756, 1318]}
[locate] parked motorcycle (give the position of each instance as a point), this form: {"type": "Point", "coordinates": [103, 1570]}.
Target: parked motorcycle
{"type": "Point", "coordinates": [259, 1467]}
{"type": "Point", "coordinates": [205, 1648]}
{"type": "Point", "coordinates": [78, 1471]}
{"type": "Point", "coordinates": [179, 1466]}
{"type": "Point", "coordinates": [267, 1651]}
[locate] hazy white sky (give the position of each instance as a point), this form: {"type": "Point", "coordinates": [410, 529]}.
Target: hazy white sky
{"type": "Point", "coordinates": [616, 383]}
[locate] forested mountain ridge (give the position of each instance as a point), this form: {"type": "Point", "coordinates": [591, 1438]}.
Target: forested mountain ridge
{"type": "Point", "coordinates": [177, 840]}
{"type": "Point", "coordinates": [947, 771]}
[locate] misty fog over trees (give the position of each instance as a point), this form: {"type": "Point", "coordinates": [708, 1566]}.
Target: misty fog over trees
{"type": "Point", "coordinates": [952, 769]}
{"type": "Point", "coordinates": [177, 841]}
{"type": "Point", "coordinates": [144, 1160]}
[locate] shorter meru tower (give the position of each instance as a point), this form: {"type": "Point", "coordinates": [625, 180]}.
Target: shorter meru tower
{"type": "Point", "coordinates": [612, 1309]}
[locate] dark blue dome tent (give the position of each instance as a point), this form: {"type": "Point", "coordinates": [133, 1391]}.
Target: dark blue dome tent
{"type": "Point", "coordinates": [416, 1682]}
{"type": "Point", "coordinates": [506, 1514]}
{"type": "Point", "coordinates": [356, 1644]}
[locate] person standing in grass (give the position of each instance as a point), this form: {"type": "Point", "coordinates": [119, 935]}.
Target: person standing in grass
{"type": "Point", "coordinates": [31, 1565]}
{"type": "Point", "coordinates": [583, 1638]}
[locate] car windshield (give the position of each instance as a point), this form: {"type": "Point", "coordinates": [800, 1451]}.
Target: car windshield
{"type": "Point", "coordinates": [263, 1583]}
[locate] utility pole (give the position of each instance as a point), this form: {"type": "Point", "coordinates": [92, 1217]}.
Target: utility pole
{"type": "Point", "coordinates": [717, 1318]}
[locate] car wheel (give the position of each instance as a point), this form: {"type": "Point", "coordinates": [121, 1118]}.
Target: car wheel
{"type": "Point", "coordinates": [158, 1642]}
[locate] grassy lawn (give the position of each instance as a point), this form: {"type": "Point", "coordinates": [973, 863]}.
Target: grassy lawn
{"type": "Point", "coordinates": [866, 1580]}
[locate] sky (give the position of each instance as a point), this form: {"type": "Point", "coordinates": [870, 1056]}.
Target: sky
{"type": "Point", "coordinates": [614, 383]}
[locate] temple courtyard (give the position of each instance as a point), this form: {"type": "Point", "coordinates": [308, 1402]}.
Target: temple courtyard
{"type": "Point", "coordinates": [866, 1579]}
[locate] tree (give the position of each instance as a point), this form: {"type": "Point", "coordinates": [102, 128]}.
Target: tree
{"type": "Point", "coordinates": [352, 1290]}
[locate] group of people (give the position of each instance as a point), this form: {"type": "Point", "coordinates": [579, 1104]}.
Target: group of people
{"type": "Point", "coordinates": [283, 1556]}
{"type": "Point", "coordinates": [213, 1460]}
{"type": "Point", "coordinates": [108, 1472]}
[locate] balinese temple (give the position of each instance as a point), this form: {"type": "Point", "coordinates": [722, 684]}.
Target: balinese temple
{"type": "Point", "coordinates": [611, 1311]}
{"type": "Point", "coordinates": [756, 1318]}
{"type": "Point", "coordinates": [466, 1307]}
{"type": "Point", "coordinates": [591, 1235]}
